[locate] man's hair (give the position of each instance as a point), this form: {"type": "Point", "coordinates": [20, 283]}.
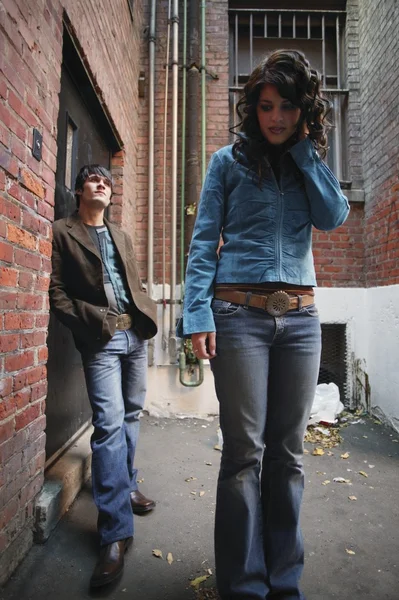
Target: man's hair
{"type": "Point", "coordinates": [85, 172]}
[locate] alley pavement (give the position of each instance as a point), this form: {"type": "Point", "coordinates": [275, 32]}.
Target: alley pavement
{"type": "Point", "coordinates": [350, 525]}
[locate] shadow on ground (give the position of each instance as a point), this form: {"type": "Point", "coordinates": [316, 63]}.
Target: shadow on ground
{"type": "Point", "coordinates": [351, 545]}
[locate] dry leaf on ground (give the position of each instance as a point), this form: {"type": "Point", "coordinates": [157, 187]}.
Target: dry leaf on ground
{"type": "Point", "coordinates": [352, 498]}
{"type": "Point", "coordinates": [195, 583]}
{"type": "Point", "coordinates": [363, 473]}
{"type": "Point", "coordinates": [318, 452]}
{"type": "Point", "coordinates": [350, 551]}
{"type": "Point", "coordinates": [169, 558]}
{"type": "Point", "coordinates": [157, 553]}
{"type": "Point", "coordinates": [345, 455]}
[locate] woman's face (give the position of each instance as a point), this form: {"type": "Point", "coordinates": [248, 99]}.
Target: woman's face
{"type": "Point", "coordinates": [278, 118]}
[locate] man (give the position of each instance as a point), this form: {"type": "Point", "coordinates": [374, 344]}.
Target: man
{"type": "Point", "coordinates": [96, 291]}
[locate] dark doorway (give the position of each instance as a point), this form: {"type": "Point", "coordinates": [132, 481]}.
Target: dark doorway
{"type": "Point", "coordinates": [83, 137]}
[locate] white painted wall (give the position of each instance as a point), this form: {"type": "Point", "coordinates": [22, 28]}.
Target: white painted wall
{"type": "Point", "coordinates": [372, 319]}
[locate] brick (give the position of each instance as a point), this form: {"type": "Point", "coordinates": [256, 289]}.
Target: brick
{"type": "Point", "coordinates": [5, 386]}
{"type": "Point", "coordinates": [6, 252]}
{"type": "Point", "coordinates": [30, 340]}
{"type": "Point", "coordinates": [6, 430]}
{"type": "Point", "coordinates": [19, 320]}
{"type": "Point", "coordinates": [45, 248]}
{"type": "Point", "coordinates": [8, 300]}
{"type": "Point", "coordinates": [25, 280]}
{"type": "Point", "coordinates": [8, 277]}
{"type": "Point", "coordinates": [27, 416]}
{"type": "Point", "coordinates": [16, 362]}
{"type": "Point", "coordinates": [10, 342]}
{"type": "Point", "coordinates": [27, 259]}
{"type": "Point", "coordinates": [8, 162]}
{"type": "Point", "coordinates": [20, 237]}
{"type": "Point", "coordinates": [31, 183]}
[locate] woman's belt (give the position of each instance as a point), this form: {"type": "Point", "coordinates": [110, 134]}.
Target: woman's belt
{"type": "Point", "coordinates": [276, 304]}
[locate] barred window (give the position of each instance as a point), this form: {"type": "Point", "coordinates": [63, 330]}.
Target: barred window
{"type": "Point", "coordinates": [254, 32]}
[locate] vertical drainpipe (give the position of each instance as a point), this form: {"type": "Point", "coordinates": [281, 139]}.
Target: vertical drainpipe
{"type": "Point", "coordinates": [183, 153]}
{"type": "Point", "coordinates": [151, 103]}
{"type": "Point", "coordinates": [203, 90]}
{"type": "Point", "coordinates": [173, 208]}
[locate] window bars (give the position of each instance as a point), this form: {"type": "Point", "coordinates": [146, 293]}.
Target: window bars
{"type": "Point", "coordinates": [319, 34]}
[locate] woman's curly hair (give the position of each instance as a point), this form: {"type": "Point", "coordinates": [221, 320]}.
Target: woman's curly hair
{"type": "Point", "coordinates": [295, 80]}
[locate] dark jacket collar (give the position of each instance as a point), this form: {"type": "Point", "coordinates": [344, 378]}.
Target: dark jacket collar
{"type": "Point", "coordinates": [78, 230]}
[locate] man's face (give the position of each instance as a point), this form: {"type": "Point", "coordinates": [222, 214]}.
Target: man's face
{"type": "Point", "coordinates": [96, 191]}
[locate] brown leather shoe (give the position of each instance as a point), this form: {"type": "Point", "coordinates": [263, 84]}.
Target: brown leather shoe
{"type": "Point", "coordinates": [141, 504]}
{"type": "Point", "coordinates": [110, 563]}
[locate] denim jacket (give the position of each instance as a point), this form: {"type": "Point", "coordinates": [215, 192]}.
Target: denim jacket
{"type": "Point", "coordinates": [266, 229]}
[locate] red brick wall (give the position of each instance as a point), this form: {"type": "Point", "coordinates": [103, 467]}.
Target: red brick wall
{"type": "Point", "coordinates": [30, 68]}
{"type": "Point", "coordinates": [380, 130]}
{"type": "Point", "coordinates": [30, 59]}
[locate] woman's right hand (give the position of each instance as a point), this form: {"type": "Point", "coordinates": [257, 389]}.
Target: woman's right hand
{"type": "Point", "coordinates": [204, 344]}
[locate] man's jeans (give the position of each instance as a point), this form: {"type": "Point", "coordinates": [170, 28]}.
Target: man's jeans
{"type": "Point", "coordinates": [116, 379]}
{"type": "Point", "coordinates": [266, 372]}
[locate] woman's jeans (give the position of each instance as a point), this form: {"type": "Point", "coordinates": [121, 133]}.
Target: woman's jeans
{"type": "Point", "coordinates": [266, 372]}
{"type": "Point", "coordinates": [116, 379]}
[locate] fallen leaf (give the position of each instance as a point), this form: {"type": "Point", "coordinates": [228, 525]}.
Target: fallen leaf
{"type": "Point", "coordinates": [346, 455]}
{"type": "Point", "coordinates": [395, 441]}
{"type": "Point", "coordinates": [217, 447]}
{"type": "Point", "coordinates": [157, 553]}
{"type": "Point", "coordinates": [169, 558]}
{"type": "Point", "coordinates": [326, 482]}
{"type": "Point", "coordinates": [377, 422]}
{"type": "Point", "coordinates": [193, 493]}
{"type": "Point", "coordinates": [352, 498]}
{"type": "Point", "coordinates": [365, 437]}
{"type": "Point", "coordinates": [363, 473]}
{"type": "Point", "coordinates": [209, 464]}
{"type": "Point", "coordinates": [318, 452]}
{"type": "Point", "coordinates": [190, 479]}
{"type": "Point", "coordinates": [330, 453]}
{"type": "Point", "coordinates": [140, 480]}
{"type": "Point", "coordinates": [371, 466]}
{"type": "Point", "coordinates": [350, 551]}
{"type": "Point", "coordinates": [209, 571]}
{"type": "Point", "coordinates": [202, 494]}
{"type": "Point", "coordinates": [306, 451]}
{"type": "Point", "coordinates": [195, 583]}
{"type": "Point", "coordinates": [341, 480]}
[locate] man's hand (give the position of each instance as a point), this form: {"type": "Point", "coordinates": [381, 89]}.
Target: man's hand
{"type": "Point", "coordinates": [204, 344]}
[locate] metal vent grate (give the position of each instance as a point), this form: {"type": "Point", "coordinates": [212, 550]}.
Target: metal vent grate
{"type": "Point", "coordinates": [334, 357]}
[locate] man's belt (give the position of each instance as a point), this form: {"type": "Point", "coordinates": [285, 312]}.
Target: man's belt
{"type": "Point", "coordinates": [124, 321]}
{"type": "Point", "coordinates": [276, 304]}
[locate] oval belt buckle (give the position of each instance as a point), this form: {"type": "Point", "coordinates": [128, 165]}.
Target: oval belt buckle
{"type": "Point", "coordinates": [278, 303]}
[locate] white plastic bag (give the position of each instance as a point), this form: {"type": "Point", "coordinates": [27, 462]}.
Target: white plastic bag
{"type": "Point", "coordinates": [326, 404]}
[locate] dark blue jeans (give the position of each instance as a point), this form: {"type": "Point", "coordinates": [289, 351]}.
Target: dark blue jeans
{"type": "Point", "coordinates": [116, 379]}
{"type": "Point", "coordinates": [265, 372]}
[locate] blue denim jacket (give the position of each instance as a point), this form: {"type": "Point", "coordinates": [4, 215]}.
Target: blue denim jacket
{"type": "Point", "coordinates": [267, 230]}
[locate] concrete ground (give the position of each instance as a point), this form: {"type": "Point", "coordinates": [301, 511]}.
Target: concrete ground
{"type": "Point", "coordinates": [174, 451]}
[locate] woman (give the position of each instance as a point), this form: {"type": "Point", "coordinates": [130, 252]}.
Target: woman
{"type": "Point", "coordinates": [251, 310]}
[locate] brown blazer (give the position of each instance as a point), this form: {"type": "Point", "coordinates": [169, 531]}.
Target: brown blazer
{"type": "Point", "coordinates": [77, 295]}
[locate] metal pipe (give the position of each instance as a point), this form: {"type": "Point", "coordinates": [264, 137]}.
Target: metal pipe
{"type": "Point", "coordinates": [251, 40]}
{"type": "Point", "coordinates": [338, 54]}
{"type": "Point", "coordinates": [173, 207]}
{"type": "Point", "coordinates": [165, 134]}
{"type": "Point", "coordinates": [193, 92]}
{"type": "Point", "coordinates": [151, 120]}
{"type": "Point", "coordinates": [323, 49]}
{"type": "Point", "coordinates": [236, 50]}
{"type": "Point", "coordinates": [183, 152]}
{"type": "Point", "coordinates": [203, 90]}
{"type": "Point", "coordinates": [285, 10]}
{"type": "Point", "coordinates": [151, 102]}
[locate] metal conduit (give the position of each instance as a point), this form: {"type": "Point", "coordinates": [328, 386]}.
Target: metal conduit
{"type": "Point", "coordinates": [173, 208]}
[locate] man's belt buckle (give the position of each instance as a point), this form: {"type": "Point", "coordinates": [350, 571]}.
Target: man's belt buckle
{"type": "Point", "coordinates": [278, 303]}
{"type": "Point", "coordinates": [124, 321]}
